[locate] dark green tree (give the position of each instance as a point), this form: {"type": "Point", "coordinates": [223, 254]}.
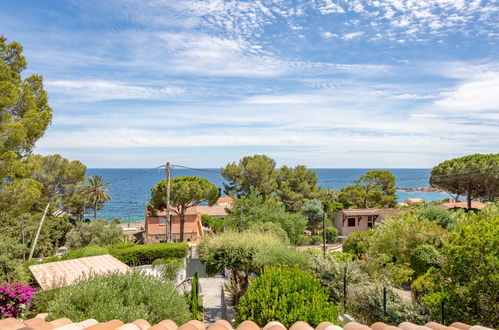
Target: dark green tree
{"type": "Point", "coordinates": [58, 176]}
{"type": "Point", "coordinates": [372, 190]}
{"type": "Point", "coordinates": [296, 186]}
{"type": "Point", "coordinates": [24, 110]}
{"type": "Point", "coordinates": [185, 192]}
{"type": "Point", "coordinates": [257, 172]}
{"type": "Point", "coordinates": [474, 176]}
{"type": "Point", "coordinates": [314, 211]}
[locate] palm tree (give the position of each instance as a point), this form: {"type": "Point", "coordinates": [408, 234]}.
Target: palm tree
{"type": "Point", "coordinates": [95, 192]}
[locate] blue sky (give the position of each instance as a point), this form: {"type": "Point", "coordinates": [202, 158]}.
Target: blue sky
{"type": "Point", "coordinates": [325, 83]}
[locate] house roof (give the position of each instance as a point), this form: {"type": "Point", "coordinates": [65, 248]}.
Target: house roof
{"type": "Point", "coordinates": [66, 272]}
{"type": "Point", "coordinates": [413, 200]}
{"type": "Point", "coordinates": [157, 229]}
{"type": "Point", "coordinates": [463, 205]}
{"type": "Point", "coordinates": [380, 212]}
{"type": "Point", "coordinates": [215, 210]}
{"type": "Point", "coordinates": [39, 323]}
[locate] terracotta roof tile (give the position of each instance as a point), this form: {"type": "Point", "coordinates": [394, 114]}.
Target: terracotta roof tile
{"type": "Point", "coordinates": [248, 325]}
{"type": "Point", "coordinates": [355, 326]}
{"type": "Point", "coordinates": [60, 322]}
{"type": "Point", "coordinates": [300, 325]}
{"type": "Point", "coordinates": [461, 326]}
{"type": "Point", "coordinates": [109, 325]}
{"type": "Point", "coordinates": [273, 323]}
{"type": "Point", "coordinates": [141, 324]}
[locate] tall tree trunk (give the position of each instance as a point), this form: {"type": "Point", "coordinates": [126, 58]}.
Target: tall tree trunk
{"type": "Point", "coordinates": [468, 199]}
{"type": "Point", "coordinates": [95, 210]}
{"type": "Point", "coordinates": [32, 250]}
{"type": "Point", "coordinates": [182, 221]}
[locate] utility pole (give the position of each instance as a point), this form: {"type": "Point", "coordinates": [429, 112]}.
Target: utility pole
{"type": "Point", "coordinates": [168, 221]}
{"type": "Point", "coordinates": [241, 219]}
{"type": "Point", "coordinates": [324, 234]}
{"type": "Point", "coordinates": [22, 235]}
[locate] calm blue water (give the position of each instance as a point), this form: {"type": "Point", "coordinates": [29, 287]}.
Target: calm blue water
{"type": "Point", "coordinates": [131, 188]}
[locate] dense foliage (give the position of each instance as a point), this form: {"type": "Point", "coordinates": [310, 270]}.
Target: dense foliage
{"type": "Point", "coordinates": [97, 232]}
{"type": "Point", "coordinates": [137, 255]}
{"type": "Point", "coordinates": [254, 208]}
{"type": "Point", "coordinates": [473, 176]}
{"type": "Point", "coordinates": [245, 253]}
{"type": "Point", "coordinates": [288, 295]}
{"type": "Point", "coordinates": [126, 297]}
{"type": "Point", "coordinates": [357, 243]}
{"type": "Point", "coordinates": [467, 281]}
{"type": "Point", "coordinates": [374, 189]}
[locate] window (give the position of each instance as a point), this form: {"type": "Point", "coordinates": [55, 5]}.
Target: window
{"type": "Point", "coordinates": [351, 222]}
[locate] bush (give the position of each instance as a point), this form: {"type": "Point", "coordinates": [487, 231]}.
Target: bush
{"type": "Point", "coordinates": [221, 225]}
{"type": "Point", "coordinates": [467, 281]}
{"type": "Point", "coordinates": [288, 295]}
{"type": "Point", "coordinates": [357, 243]}
{"type": "Point", "coordinates": [270, 228]}
{"type": "Point", "coordinates": [14, 297]}
{"type": "Point", "coordinates": [279, 255]}
{"type": "Point", "coordinates": [437, 214]}
{"type": "Point", "coordinates": [306, 240]}
{"type": "Point", "coordinates": [365, 303]}
{"type": "Point", "coordinates": [331, 235]}
{"type": "Point", "coordinates": [137, 255]}
{"type": "Point", "coordinates": [331, 273]}
{"type": "Point", "coordinates": [126, 297]}
{"type": "Point", "coordinates": [168, 267]}
{"type": "Point", "coordinates": [88, 251]}
{"type": "Point", "coordinates": [422, 258]}
{"type": "Point", "coordinates": [98, 232]}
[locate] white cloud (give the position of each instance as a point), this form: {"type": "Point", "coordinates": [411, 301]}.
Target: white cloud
{"type": "Point", "coordinates": [328, 34]}
{"type": "Point", "coordinates": [99, 90]}
{"type": "Point", "coordinates": [480, 93]}
{"type": "Point", "coordinates": [352, 35]}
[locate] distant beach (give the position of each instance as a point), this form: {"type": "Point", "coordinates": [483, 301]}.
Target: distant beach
{"type": "Point", "coordinates": [131, 187]}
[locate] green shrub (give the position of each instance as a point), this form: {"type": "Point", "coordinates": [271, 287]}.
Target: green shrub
{"type": "Point", "coordinates": [420, 286]}
{"type": "Point", "coordinates": [270, 228]}
{"type": "Point", "coordinates": [206, 220]}
{"type": "Point", "coordinates": [145, 254]}
{"type": "Point", "coordinates": [306, 240]}
{"type": "Point", "coordinates": [126, 297]}
{"type": "Point", "coordinates": [280, 255]}
{"type": "Point", "coordinates": [437, 214]}
{"type": "Point", "coordinates": [331, 272]}
{"type": "Point", "coordinates": [331, 235]}
{"type": "Point", "coordinates": [287, 295]}
{"type": "Point", "coordinates": [97, 232]}
{"type": "Point", "coordinates": [168, 267]}
{"type": "Point", "coordinates": [88, 251]}
{"type": "Point", "coordinates": [221, 225]}
{"type": "Point", "coordinates": [365, 303]}
{"type": "Point", "coordinates": [357, 243]}
{"type": "Point", "coordinates": [422, 258]}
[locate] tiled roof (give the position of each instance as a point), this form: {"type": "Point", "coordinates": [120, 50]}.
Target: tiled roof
{"type": "Point", "coordinates": [463, 205]}
{"type": "Point", "coordinates": [63, 273]}
{"type": "Point", "coordinates": [157, 229]}
{"type": "Point", "coordinates": [91, 324]}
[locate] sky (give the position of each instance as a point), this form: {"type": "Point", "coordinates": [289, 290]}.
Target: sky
{"type": "Point", "coordinates": [324, 83]}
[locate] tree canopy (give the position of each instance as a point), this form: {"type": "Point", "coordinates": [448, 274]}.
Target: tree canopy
{"type": "Point", "coordinates": [185, 192]}
{"type": "Point", "coordinates": [473, 176]}
{"type": "Point", "coordinates": [95, 192]}
{"type": "Point", "coordinates": [24, 110]}
{"type": "Point", "coordinates": [257, 172]}
{"type": "Point", "coordinates": [374, 189]}
{"type": "Point", "coordinates": [295, 186]}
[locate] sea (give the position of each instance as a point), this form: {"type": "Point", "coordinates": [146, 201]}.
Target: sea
{"type": "Point", "coordinates": [130, 188]}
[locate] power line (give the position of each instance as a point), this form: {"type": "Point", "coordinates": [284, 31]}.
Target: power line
{"type": "Point", "coordinates": [135, 174]}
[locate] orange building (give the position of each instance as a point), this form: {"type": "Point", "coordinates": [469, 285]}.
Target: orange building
{"type": "Point", "coordinates": [156, 229]}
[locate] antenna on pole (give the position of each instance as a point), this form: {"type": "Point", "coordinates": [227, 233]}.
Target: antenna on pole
{"type": "Point", "coordinates": [168, 220]}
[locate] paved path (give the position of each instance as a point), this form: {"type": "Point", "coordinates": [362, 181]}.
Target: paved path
{"type": "Point", "coordinates": [211, 288]}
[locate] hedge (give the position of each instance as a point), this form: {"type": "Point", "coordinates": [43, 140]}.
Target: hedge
{"type": "Point", "coordinates": [145, 254]}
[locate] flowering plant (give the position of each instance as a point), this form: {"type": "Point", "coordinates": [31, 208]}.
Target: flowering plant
{"type": "Point", "coordinates": [14, 298]}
